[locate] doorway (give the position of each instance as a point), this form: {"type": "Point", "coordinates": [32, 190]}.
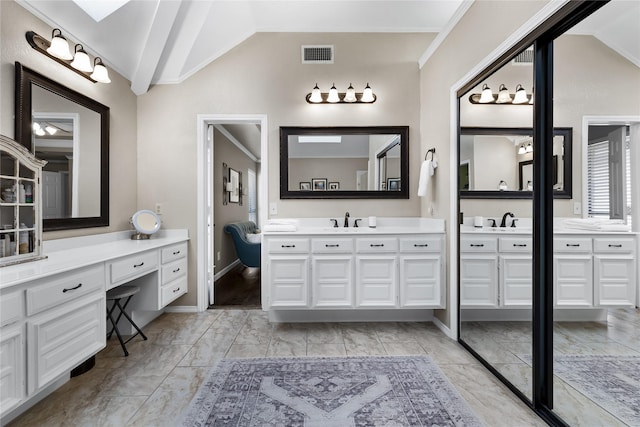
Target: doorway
{"type": "Point", "coordinates": [207, 169]}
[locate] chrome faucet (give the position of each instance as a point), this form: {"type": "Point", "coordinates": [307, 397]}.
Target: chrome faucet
{"type": "Point", "coordinates": [346, 219]}
{"type": "Point", "coordinates": [504, 219]}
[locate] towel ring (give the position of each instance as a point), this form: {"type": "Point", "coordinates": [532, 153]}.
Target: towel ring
{"type": "Point", "coordinates": [432, 151]}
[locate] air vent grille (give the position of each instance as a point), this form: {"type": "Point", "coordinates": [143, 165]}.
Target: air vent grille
{"type": "Point", "coordinates": [524, 58]}
{"type": "Point", "coordinates": [317, 54]}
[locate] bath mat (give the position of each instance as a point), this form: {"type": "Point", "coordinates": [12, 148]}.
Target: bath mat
{"type": "Point", "coordinates": [328, 392]}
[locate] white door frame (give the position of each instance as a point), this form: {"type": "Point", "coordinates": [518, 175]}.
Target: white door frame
{"type": "Point", "coordinates": [205, 186]}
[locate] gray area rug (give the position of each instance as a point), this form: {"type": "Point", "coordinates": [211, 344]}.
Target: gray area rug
{"type": "Point", "coordinates": [328, 392]}
{"type": "Point", "coordinates": [612, 382]}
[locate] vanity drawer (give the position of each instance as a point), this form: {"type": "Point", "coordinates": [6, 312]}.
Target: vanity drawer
{"type": "Point", "coordinates": [478, 244]}
{"type": "Point", "coordinates": [420, 244]}
{"type": "Point", "coordinates": [515, 244]}
{"type": "Point", "coordinates": [173, 290]}
{"type": "Point", "coordinates": [174, 270]}
{"type": "Point", "coordinates": [572, 244]}
{"type": "Point", "coordinates": [174, 252]}
{"type": "Point", "coordinates": [374, 245]}
{"type": "Point", "coordinates": [289, 246]}
{"type": "Point", "coordinates": [58, 289]}
{"type": "Point", "coordinates": [11, 307]}
{"type": "Point", "coordinates": [134, 265]}
{"type": "Point", "coordinates": [333, 246]}
{"type": "Point", "coordinates": [613, 245]}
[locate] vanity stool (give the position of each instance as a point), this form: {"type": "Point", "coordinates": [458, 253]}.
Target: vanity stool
{"type": "Point", "coordinates": [115, 295]}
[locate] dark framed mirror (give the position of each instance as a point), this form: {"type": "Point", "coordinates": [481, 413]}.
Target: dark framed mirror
{"type": "Point", "coordinates": [344, 162]}
{"type": "Point", "coordinates": [71, 132]}
{"type": "Point", "coordinates": [497, 163]}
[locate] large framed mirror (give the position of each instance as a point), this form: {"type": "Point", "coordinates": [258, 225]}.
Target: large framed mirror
{"type": "Point", "coordinates": [344, 162]}
{"type": "Point", "coordinates": [497, 163]}
{"type": "Point", "coordinates": [71, 132]}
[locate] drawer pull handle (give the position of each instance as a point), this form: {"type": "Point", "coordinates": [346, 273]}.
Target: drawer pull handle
{"type": "Point", "coordinates": [377, 246]}
{"type": "Point", "coordinates": [573, 245]}
{"type": "Point", "coordinates": [615, 246]}
{"type": "Point", "coordinates": [423, 245]}
{"type": "Point", "coordinates": [176, 290]}
{"type": "Point", "coordinates": [288, 246]}
{"type": "Point", "coordinates": [332, 246]}
{"type": "Point", "coordinates": [519, 245]}
{"type": "Point", "coordinates": [480, 245]}
{"type": "Point", "coordinates": [176, 252]}
{"type": "Point", "coordinates": [138, 265]}
{"type": "Point", "coordinates": [65, 290]}
{"type": "Point", "coordinates": [176, 270]}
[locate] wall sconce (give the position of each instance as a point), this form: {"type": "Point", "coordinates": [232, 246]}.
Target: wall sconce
{"type": "Point", "coordinates": [503, 96]}
{"type": "Point", "coordinates": [79, 62]}
{"type": "Point", "coordinates": [525, 148]}
{"type": "Point", "coordinates": [334, 97]}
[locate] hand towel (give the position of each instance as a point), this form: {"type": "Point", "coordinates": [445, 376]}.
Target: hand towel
{"type": "Point", "coordinates": [427, 170]}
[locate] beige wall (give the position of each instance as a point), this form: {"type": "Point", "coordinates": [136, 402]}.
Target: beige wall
{"type": "Point", "coordinates": [225, 152]}
{"type": "Point", "coordinates": [263, 75]}
{"type": "Point", "coordinates": [342, 171]}
{"type": "Point", "coordinates": [15, 22]}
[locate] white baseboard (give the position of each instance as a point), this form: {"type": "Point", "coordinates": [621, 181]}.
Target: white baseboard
{"type": "Point", "coordinates": [225, 270]}
{"type": "Point", "coordinates": [444, 328]}
{"type": "Point", "coordinates": [305, 316]}
{"type": "Point", "coordinates": [525, 315]}
{"type": "Point", "coordinates": [30, 402]}
{"type": "Point", "coordinates": [181, 309]}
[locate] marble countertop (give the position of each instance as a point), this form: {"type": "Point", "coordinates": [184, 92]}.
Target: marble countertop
{"type": "Point", "coordinates": [73, 253]}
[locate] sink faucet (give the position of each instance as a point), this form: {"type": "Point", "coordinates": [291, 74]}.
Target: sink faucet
{"type": "Point", "coordinates": [346, 219]}
{"type": "Point", "coordinates": [504, 219]}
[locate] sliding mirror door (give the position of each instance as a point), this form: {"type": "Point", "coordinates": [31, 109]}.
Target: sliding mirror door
{"type": "Point", "coordinates": [495, 235]}
{"type": "Point", "coordinates": [596, 345]}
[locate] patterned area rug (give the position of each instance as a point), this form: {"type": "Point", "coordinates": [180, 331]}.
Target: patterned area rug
{"type": "Point", "coordinates": [329, 392]}
{"type": "Point", "coordinates": [612, 382]}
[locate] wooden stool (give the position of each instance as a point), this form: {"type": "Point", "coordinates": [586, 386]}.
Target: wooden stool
{"type": "Point", "coordinates": [115, 295]}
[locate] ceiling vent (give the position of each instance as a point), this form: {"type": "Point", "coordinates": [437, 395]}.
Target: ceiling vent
{"type": "Point", "coordinates": [524, 58]}
{"type": "Point", "coordinates": [317, 54]}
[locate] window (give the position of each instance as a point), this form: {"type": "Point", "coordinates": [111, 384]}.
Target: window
{"type": "Point", "coordinates": [252, 196]}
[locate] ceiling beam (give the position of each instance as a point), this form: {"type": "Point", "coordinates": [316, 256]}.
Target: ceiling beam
{"type": "Point", "coordinates": [161, 24]}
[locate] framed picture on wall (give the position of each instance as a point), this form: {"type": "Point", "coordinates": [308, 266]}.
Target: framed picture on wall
{"type": "Point", "coordinates": [334, 186]}
{"type": "Point", "coordinates": [393, 184]}
{"type": "Point", "coordinates": [305, 186]}
{"type": "Point", "coordinates": [234, 180]}
{"type": "Point", "coordinates": [319, 184]}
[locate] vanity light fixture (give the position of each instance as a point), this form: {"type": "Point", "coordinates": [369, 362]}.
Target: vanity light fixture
{"type": "Point", "coordinates": [335, 97]}
{"type": "Point", "coordinates": [503, 96]}
{"type": "Point", "coordinates": [522, 149]}
{"type": "Point", "coordinates": [529, 148]}
{"type": "Point", "coordinates": [57, 50]}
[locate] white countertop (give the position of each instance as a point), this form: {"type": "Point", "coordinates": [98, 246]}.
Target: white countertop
{"type": "Point", "coordinates": [509, 231]}
{"type": "Point", "coordinates": [384, 225]}
{"type": "Point", "coordinates": [73, 253]}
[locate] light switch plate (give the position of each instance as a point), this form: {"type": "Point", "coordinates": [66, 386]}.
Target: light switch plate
{"type": "Point", "coordinates": [273, 208]}
{"type": "Point", "coordinates": [577, 208]}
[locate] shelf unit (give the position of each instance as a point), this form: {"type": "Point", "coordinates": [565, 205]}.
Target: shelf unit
{"type": "Point", "coordinates": [20, 203]}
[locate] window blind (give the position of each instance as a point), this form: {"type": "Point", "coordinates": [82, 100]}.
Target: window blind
{"type": "Point", "coordinates": [598, 179]}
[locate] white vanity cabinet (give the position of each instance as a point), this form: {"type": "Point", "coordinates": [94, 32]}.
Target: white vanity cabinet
{"type": "Point", "coordinates": [479, 272]}
{"type": "Point", "coordinates": [614, 272]}
{"type": "Point", "coordinates": [288, 272]}
{"type": "Point", "coordinates": [572, 269]}
{"type": "Point", "coordinates": [12, 350]}
{"type": "Point", "coordinates": [516, 271]}
{"type": "Point", "coordinates": [343, 271]}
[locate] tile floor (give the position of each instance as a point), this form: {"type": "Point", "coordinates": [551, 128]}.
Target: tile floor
{"type": "Point", "coordinates": [154, 385]}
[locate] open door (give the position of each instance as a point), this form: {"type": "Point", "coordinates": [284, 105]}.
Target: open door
{"type": "Point", "coordinates": [617, 174]}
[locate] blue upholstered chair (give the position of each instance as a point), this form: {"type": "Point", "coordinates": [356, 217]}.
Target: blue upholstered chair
{"type": "Point", "coordinates": [248, 252]}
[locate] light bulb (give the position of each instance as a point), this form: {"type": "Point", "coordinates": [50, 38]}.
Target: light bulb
{"type": "Point", "coordinates": [59, 46]}
{"type": "Point", "coordinates": [100, 73]}
{"type": "Point", "coordinates": [367, 94]}
{"type": "Point", "coordinates": [333, 95]}
{"type": "Point", "coordinates": [350, 95]}
{"type": "Point", "coordinates": [521, 96]}
{"type": "Point", "coordinates": [316, 96]}
{"type": "Point", "coordinates": [504, 96]}
{"type": "Point", "coordinates": [81, 60]}
{"type": "Point", "coordinates": [51, 130]}
{"type": "Point", "coordinates": [40, 132]}
{"type": "Point", "coordinates": [529, 148]}
{"type": "Point", "coordinates": [522, 150]}
{"type": "Point", "coordinates": [487, 95]}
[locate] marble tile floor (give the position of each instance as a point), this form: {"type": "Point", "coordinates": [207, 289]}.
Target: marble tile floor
{"type": "Point", "coordinates": [155, 384]}
{"type": "Point", "coordinates": [504, 343]}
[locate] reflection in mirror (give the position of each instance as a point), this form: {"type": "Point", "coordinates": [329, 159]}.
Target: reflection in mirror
{"type": "Point", "coordinates": [71, 132]}
{"type": "Point", "coordinates": [498, 162]}
{"type": "Point", "coordinates": [146, 223]}
{"type": "Point", "coordinates": [369, 162]}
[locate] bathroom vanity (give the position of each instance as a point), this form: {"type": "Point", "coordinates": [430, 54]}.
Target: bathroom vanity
{"type": "Point", "coordinates": [52, 311]}
{"type": "Point", "coordinates": [320, 272]}
{"type": "Point", "coordinates": [592, 269]}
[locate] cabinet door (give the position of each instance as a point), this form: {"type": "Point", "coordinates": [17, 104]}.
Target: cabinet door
{"type": "Point", "coordinates": [12, 372]}
{"type": "Point", "coordinates": [515, 279]}
{"type": "Point", "coordinates": [63, 337]}
{"type": "Point", "coordinates": [573, 280]}
{"type": "Point", "coordinates": [288, 281]}
{"type": "Point", "coordinates": [332, 281]}
{"type": "Point", "coordinates": [614, 280]}
{"type": "Point", "coordinates": [376, 277]}
{"type": "Point", "coordinates": [421, 281]}
{"type": "Point", "coordinates": [478, 281]}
